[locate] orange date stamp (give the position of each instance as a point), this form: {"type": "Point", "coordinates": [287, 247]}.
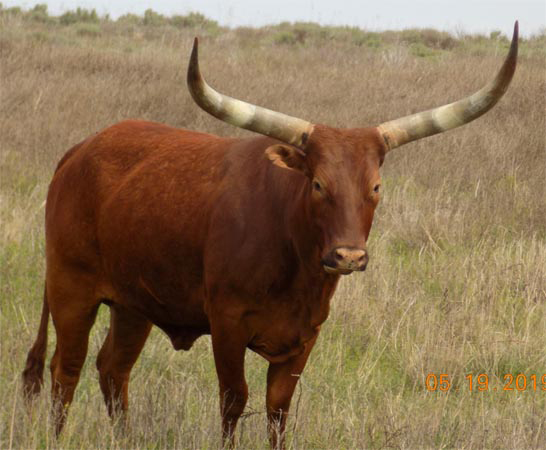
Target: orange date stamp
{"type": "Point", "coordinates": [481, 383]}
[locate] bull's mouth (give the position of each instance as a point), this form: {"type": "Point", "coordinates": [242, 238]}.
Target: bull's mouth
{"type": "Point", "coordinates": [336, 270]}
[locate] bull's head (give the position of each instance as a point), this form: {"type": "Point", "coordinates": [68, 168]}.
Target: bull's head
{"type": "Point", "coordinates": [342, 165]}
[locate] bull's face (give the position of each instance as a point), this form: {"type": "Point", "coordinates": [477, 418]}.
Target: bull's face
{"type": "Point", "coordinates": [343, 190]}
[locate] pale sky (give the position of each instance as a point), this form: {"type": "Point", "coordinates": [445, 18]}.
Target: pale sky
{"type": "Point", "coordinates": [466, 15]}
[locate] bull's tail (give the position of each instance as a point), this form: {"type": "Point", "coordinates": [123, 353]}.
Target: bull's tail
{"type": "Point", "coordinates": [34, 369]}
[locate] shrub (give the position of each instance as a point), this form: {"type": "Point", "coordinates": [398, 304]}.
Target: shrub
{"type": "Point", "coordinates": [193, 20]}
{"type": "Point", "coordinates": [421, 50]}
{"type": "Point", "coordinates": [438, 39]}
{"type": "Point", "coordinates": [129, 19]}
{"type": "Point", "coordinates": [434, 39]}
{"type": "Point", "coordinates": [151, 18]}
{"type": "Point", "coordinates": [371, 40]}
{"type": "Point", "coordinates": [80, 15]}
{"type": "Point", "coordinates": [495, 34]}
{"type": "Point", "coordinates": [285, 38]}
{"type": "Point", "coordinates": [39, 14]}
{"type": "Point", "coordinates": [13, 11]}
{"type": "Point", "coordinates": [88, 29]}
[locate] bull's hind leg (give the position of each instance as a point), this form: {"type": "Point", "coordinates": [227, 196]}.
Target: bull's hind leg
{"type": "Point", "coordinates": [124, 342]}
{"type": "Point", "coordinates": [73, 310]}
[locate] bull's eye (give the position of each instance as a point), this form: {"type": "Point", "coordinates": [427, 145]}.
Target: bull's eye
{"type": "Point", "coordinates": [317, 186]}
{"type": "Point", "coordinates": [376, 188]}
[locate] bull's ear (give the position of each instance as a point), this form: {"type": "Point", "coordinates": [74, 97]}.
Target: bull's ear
{"type": "Point", "coordinates": [288, 158]}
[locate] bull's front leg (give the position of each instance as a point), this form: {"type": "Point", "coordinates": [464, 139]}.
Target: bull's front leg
{"type": "Point", "coordinates": [281, 382]}
{"type": "Point", "coordinates": [229, 341]}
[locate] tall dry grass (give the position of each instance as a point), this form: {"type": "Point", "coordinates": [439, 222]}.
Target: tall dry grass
{"type": "Point", "coordinates": [456, 282]}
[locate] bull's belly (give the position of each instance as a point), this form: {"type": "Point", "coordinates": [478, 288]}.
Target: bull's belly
{"type": "Point", "coordinates": [175, 308]}
{"type": "Point", "coordinates": [182, 322]}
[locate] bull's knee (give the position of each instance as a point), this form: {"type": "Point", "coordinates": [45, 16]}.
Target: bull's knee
{"type": "Point", "coordinates": [114, 387]}
{"type": "Point", "coordinates": [65, 380]}
{"type": "Point", "coordinates": [234, 401]}
{"type": "Point", "coordinates": [278, 400]}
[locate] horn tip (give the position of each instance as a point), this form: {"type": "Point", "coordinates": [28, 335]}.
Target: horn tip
{"type": "Point", "coordinates": [194, 61]}
{"type": "Point", "coordinates": [195, 47]}
{"type": "Point", "coordinates": [515, 38]}
{"type": "Point", "coordinates": [193, 75]}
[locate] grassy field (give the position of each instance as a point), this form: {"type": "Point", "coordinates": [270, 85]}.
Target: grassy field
{"type": "Point", "coordinates": [457, 276]}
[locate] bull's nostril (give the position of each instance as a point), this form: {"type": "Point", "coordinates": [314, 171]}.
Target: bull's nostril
{"type": "Point", "coordinates": [338, 255]}
{"type": "Point", "coordinates": [361, 258]}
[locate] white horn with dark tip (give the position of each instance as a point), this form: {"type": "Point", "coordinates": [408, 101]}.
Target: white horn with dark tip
{"type": "Point", "coordinates": [416, 126]}
{"type": "Point", "coordinates": [285, 128]}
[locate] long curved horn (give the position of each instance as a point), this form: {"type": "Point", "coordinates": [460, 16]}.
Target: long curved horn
{"type": "Point", "coordinates": [285, 128]}
{"type": "Point", "coordinates": [416, 126]}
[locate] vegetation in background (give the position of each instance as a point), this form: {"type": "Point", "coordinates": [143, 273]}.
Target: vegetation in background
{"type": "Point", "coordinates": [457, 275]}
{"type": "Point", "coordinates": [419, 42]}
